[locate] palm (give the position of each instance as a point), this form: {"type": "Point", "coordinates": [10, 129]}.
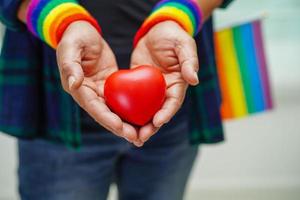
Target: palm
{"type": "Point", "coordinates": [97, 64]}
{"type": "Point", "coordinates": [85, 61]}
{"type": "Point", "coordinates": [171, 49]}
{"type": "Point", "coordinates": [163, 56]}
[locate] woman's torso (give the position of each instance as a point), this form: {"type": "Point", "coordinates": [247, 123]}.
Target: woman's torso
{"type": "Point", "coordinates": [120, 19]}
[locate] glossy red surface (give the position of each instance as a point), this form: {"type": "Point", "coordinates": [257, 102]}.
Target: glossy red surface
{"type": "Point", "coordinates": [136, 94]}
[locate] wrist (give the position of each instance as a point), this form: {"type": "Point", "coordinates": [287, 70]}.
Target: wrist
{"type": "Point", "coordinates": [22, 12]}
{"type": "Point", "coordinates": [48, 19]}
{"type": "Point", "coordinates": [217, 3]}
{"type": "Point", "coordinates": [209, 6]}
{"type": "Point", "coordinates": [78, 32]}
{"type": "Point", "coordinates": [186, 13]}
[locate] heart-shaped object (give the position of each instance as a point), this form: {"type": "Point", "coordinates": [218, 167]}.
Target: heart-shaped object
{"type": "Point", "coordinates": [136, 94]}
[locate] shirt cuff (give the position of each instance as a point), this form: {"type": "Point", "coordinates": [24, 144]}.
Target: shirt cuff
{"type": "Point", "coordinates": [8, 14]}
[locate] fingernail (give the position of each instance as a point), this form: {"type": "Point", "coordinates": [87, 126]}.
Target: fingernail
{"type": "Point", "coordinates": [138, 144]}
{"type": "Point", "coordinates": [71, 82]}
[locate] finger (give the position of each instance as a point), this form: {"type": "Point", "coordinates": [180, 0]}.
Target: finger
{"type": "Point", "coordinates": [165, 114]}
{"type": "Point", "coordinates": [138, 143]}
{"type": "Point", "coordinates": [186, 50]}
{"type": "Point", "coordinates": [147, 131]}
{"type": "Point", "coordinates": [103, 116]}
{"type": "Point", "coordinates": [69, 62]}
{"type": "Point", "coordinates": [96, 107]}
{"type": "Point", "coordinates": [101, 113]}
{"type": "Point", "coordinates": [175, 96]}
{"type": "Point", "coordinates": [112, 122]}
{"type": "Point", "coordinates": [129, 133]}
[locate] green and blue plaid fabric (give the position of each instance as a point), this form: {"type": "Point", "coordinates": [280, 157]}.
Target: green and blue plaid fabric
{"type": "Point", "coordinates": [34, 105]}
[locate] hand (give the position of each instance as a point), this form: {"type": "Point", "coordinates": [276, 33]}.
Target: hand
{"type": "Point", "coordinates": [170, 48]}
{"type": "Point", "coordinates": [85, 60]}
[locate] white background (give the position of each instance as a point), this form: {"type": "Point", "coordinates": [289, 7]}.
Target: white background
{"type": "Point", "coordinates": [261, 157]}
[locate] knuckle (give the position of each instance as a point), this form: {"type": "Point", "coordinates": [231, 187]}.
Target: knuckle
{"type": "Point", "coordinates": [65, 68]}
{"type": "Point", "coordinates": [176, 103]}
{"type": "Point", "coordinates": [65, 65]}
{"type": "Point", "coordinates": [87, 103]}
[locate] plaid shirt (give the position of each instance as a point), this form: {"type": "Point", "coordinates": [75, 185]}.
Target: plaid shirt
{"type": "Point", "coordinates": [33, 103]}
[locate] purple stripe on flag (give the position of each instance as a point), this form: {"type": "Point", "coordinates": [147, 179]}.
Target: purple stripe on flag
{"type": "Point", "coordinates": [263, 65]}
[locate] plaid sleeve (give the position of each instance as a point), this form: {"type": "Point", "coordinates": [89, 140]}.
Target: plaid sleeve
{"type": "Point", "coordinates": [225, 3]}
{"type": "Point", "coordinates": [8, 14]}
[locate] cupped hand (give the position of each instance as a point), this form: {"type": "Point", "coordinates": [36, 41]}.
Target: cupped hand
{"type": "Point", "coordinates": [85, 60]}
{"type": "Point", "coordinates": [170, 48]}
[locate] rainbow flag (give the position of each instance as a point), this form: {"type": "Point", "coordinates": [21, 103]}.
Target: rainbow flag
{"type": "Point", "coordinates": [242, 70]}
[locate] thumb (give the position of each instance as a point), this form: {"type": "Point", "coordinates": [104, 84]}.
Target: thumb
{"type": "Point", "coordinates": [186, 51]}
{"type": "Point", "coordinates": [69, 63]}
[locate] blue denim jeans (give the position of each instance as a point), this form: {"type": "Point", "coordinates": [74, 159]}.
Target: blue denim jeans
{"type": "Point", "coordinates": [157, 171]}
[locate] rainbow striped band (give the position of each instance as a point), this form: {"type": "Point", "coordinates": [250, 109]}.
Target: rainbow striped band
{"type": "Point", "coordinates": [186, 13]}
{"type": "Point", "coordinates": [48, 19]}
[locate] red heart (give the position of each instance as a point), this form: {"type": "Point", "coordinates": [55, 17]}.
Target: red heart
{"type": "Point", "coordinates": [136, 94]}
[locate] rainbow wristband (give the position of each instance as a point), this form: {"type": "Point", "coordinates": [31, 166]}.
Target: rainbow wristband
{"type": "Point", "coordinates": [186, 13]}
{"type": "Point", "coordinates": [48, 19]}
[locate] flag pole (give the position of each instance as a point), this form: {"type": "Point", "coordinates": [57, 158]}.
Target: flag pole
{"type": "Point", "coordinates": [245, 20]}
